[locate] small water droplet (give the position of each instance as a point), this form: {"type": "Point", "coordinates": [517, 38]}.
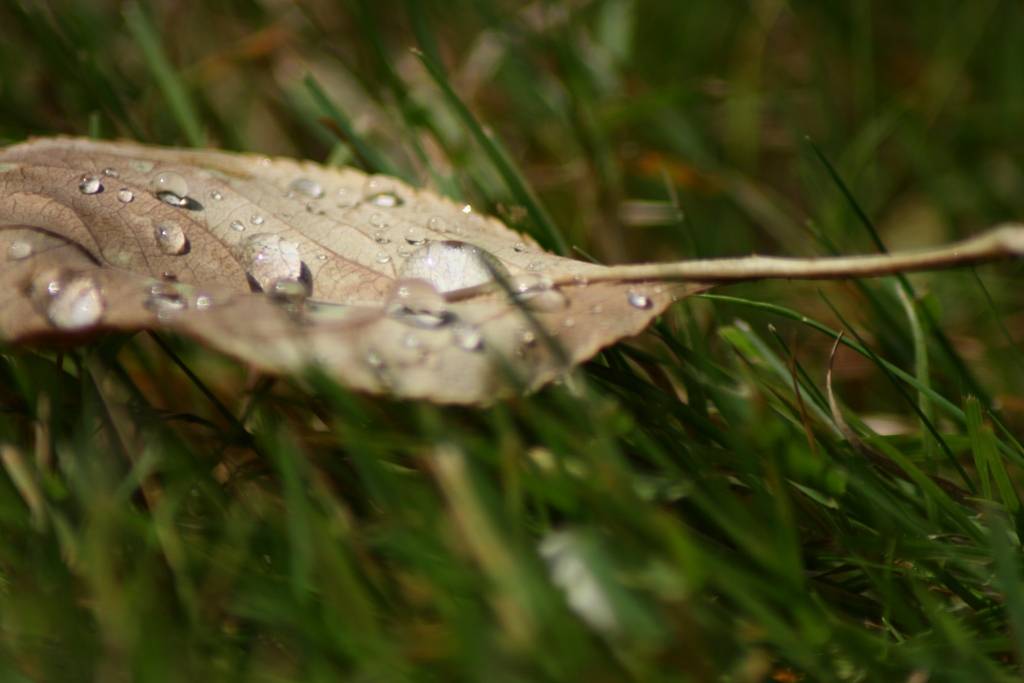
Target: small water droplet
{"type": "Point", "coordinates": [346, 197]}
{"type": "Point", "coordinates": [381, 237]}
{"type": "Point", "coordinates": [638, 300]}
{"type": "Point", "coordinates": [270, 261]}
{"type": "Point", "coordinates": [165, 299]}
{"type": "Point", "coordinates": [90, 184]}
{"type": "Point", "coordinates": [378, 220]}
{"type": "Point", "coordinates": [237, 226]}
{"type": "Point", "coordinates": [382, 257]}
{"type": "Point", "coordinates": [172, 199]}
{"type": "Point", "coordinates": [467, 209]}
{"type": "Point", "coordinates": [203, 301]}
{"type": "Point", "coordinates": [141, 165]}
{"type": "Point", "coordinates": [76, 305]}
{"type": "Point", "coordinates": [415, 236]}
{"type": "Point", "coordinates": [418, 303]}
{"type": "Point", "coordinates": [321, 257]}
{"type": "Point", "coordinates": [519, 247]}
{"type": "Point", "coordinates": [125, 196]}
{"type": "Point", "coordinates": [19, 250]}
{"type": "Point", "coordinates": [111, 172]}
{"type": "Point", "coordinates": [256, 219]}
{"type": "Point", "coordinates": [437, 224]}
{"type": "Point", "coordinates": [216, 195]}
{"type": "Point", "coordinates": [308, 187]}
{"type": "Point", "coordinates": [535, 266]}
{"type": "Point", "coordinates": [385, 200]}
{"type": "Point", "coordinates": [451, 265]}
{"type": "Point", "coordinates": [467, 337]}
{"type": "Point", "coordinates": [171, 238]}
{"type": "Point", "coordinates": [171, 182]}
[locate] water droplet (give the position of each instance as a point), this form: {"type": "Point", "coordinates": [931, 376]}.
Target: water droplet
{"type": "Point", "coordinates": [90, 184]}
{"type": "Point", "coordinates": [467, 209]}
{"type": "Point", "coordinates": [527, 337]}
{"type": "Point", "coordinates": [380, 237]}
{"type": "Point", "coordinates": [415, 236]}
{"type": "Point", "coordinates": [378, 220]}
{"type": "Point", "coordinates": [385, 200]}
{"type": "Point", "coordinates": [638, 300]}
{"type": "Point", "coordinates": [111, 173]}
{"type": "Point", "coordinates": [519, 247]}
{"type": "Point", "coordinates": [237, 226]}
{"type": "Point", "coordinates": [451, 265]}
{"type": "Point", "coordinates": [125, 196]}
{"type": "Point", "coordinates": [19, 250]}
{"type": "Point", "coordinates": [308, 187]}
{"type": "Point", "coordinates": [270, 261]}
{"type": "Point", "coordinates": [172, 199]}
{"type": "Point", "coordinates": [382, 257]}
{"type": "Point", "coordinates": [535, 266]}
{"type": "Point", "coordinates": [76, 305]}
{"type": "Point", "coordinates": [311, 207]}
{"type": "Point", "coordinates": [216, 195]}
{"type": "Point", "coordinates": [203, 301]}
{"type": "Point", "coordinates": [171, 182]}
{"type": "Point", "coordinates": [418, 303]}
{"type": "Point", "coordinates": [165, 299]}
{"type": "Point", "coordinates": [437, 224]}
{"type": "Point", "coordinates": [171, 238]}
{"type": "Point", "coordinates": [141, 165]}
{"type": "Point", "coordinates": [467, 338]}
{"type": "Point", "coordinates": [256, 219]}
{"type": "Point", "coordinates": [346, 197]}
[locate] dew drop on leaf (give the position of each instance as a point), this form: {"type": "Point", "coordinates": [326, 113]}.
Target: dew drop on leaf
{"type": "Point", "coordinates": [268, 260]}
{"type": "Point", "coordinates": [237, 226]}
{"type": "Point", "coordinates": [385, 200]}
{"type": "Point", "coordinates": [308, 187]}
{"type": "Point", "coordinates": [125, 196]}
{"type": "Point", "coordinates": [171, 238]}
{"type": "Point", "coordinates": [165, 299]}
{"type": "Point", "coordinates": [170, 182]}
{"type": "Point", "coordinates": [415, 236]}
{"type": "Point", "coordinates": [450, 265]}
{"type": "Point", "coordinates": [418, 303]}
{"type": "Point", "coordinates": [638, 300]}
{"type": "Point", "coordinates": [19, 250]}
{"type": "Point", "coordinates": [76, 305]}
{"type": "Point", "coordinates": [90, 184]}
{"type": "Point", "coordinates": [256, 219]}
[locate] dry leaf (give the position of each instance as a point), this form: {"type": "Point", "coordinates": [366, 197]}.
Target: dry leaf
{"type": "Point", "coordinates": [284, 263]}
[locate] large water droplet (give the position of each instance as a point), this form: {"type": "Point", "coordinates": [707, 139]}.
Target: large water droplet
{"type": "Point", "coordinates": [19, 250]}
{"type": "Point", "coordinates": [76, 305]}
{"type": "Point", "coordinates": [125, 196]}
{"type": "Point", "coordinates": [451, 265]}
{"type": "Point", "coordinates": [638, 300]}
{"type": "Point", "coordinates": [90, 184]}
{"type": "Point", "coordinates": [171, 182]}
{"type": "Point", "coordinates": [418, 303]}
{"type": "Point", "coordinates": [171, 238]}
{"type": "Point", "coordinates": [385, 200]}
{"type": "Point", "coordinates": [270, 260]}
{"type": "Point", "coordinates": [308, 187]}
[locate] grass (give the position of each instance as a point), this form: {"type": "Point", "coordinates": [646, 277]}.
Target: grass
{"type": "Point", "coordinates": [688, 506]}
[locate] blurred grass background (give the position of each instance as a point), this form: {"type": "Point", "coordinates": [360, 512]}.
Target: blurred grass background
{"type": "Point", "coordinates": [688, 507]}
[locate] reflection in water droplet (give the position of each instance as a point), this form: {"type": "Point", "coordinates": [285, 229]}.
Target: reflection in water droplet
{"type": "Point", "coordinates": [415, 236]}
{"type": "Point", "coordinates": [382, 257]}
{"type": "Point", "coordinates": [451, 265]}
{"type": "Point", "coordinates": [76, 305]}
{"type": "Point", "coordinates": [90, 184]}
{"type": "Point", "coordinates": [237, 226]}
{"type": "Point", "coordinates": [418, 303]}
{"type": "Point", "coordinates": [638, 300]}
{"type": "Point", "coordinates": [381, 237]}
{"type": "Point", "coordinates": [386, 200]}
{"type": "Point", "coordinates": [165, 299]}
{"type": "Point", "coordinates": [172, 199]}
{"type": "Point", "coordinates": [171, 238]}
{"type": "Point", "coordinates": [125, 196]}
{"type": "Point", "coordinates": [171, 182]}
{"type": "Point", "coordinates": [467, 338]}
{"type": "Point", "coordinates": [216, 195]}
{"type": "Point", "coordinates": [19, 250]}
{"type": "Point", "coordinates": [308, 187]}
{"type": "Point", "coordinates": [269, 260]}
{"type": "Point", "coordinates": [256, 219]}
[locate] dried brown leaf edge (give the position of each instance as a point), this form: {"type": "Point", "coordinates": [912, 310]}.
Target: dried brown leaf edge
{"type": "Point", "coordinates": [284, 264]}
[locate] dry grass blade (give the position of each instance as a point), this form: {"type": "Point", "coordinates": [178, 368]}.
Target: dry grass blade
{"type": "Point", "coordinates": [286, 264]}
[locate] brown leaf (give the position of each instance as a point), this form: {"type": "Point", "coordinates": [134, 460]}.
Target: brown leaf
{"type": "Point", "coordinates": [284, 263]}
